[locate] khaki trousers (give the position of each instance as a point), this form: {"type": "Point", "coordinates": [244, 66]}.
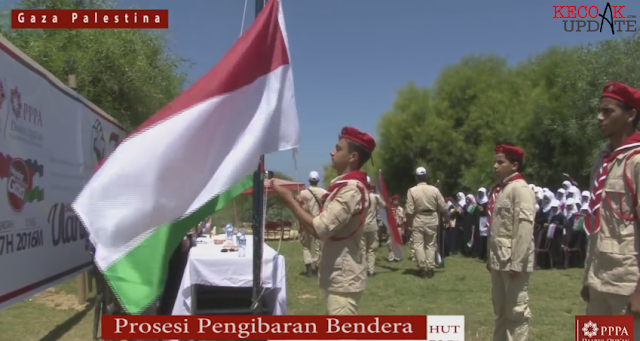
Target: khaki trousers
{"type": "Point", "coordinates": [511, 306]}
{"type": "Point", "coordinates": [342, 303]}
{"type": "Point", "coordinates": [368, 248]}
{"type": "Point", "coordinates": [603, 303]}
{"type": "Point", "coordinates": [389, 247]}
{"type": "Point", "coordinates": [411, 248]}
{"type": "Point", "coordinates": [309, 243]}
{"type": "Point", "coordinates": [424, 237]}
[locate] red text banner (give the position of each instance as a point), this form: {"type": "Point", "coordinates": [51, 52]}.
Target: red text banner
{"type": "Point", "coordinates": [252, 327]}
{"type": "Point", "coordinates": [89, 19]}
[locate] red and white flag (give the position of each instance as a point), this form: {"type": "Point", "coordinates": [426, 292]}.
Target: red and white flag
{"type": "Point", "coordinates": [389, 220]}
{"type": "Point", "coordinates": [189, 160]}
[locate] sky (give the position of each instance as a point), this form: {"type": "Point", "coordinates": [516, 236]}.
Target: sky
{"type": "Point", "coordinates": [350, 57]}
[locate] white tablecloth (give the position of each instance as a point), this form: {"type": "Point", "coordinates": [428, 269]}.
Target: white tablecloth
{"type": "Point", "coordinates": [208, 266]}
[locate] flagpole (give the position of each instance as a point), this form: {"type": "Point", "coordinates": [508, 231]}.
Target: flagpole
{"type": "Point", "coordinates": [258, 202]}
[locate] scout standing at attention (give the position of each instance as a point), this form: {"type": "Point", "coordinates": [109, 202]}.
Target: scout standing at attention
{"type": "Point", "coordinates": [398, 215]}
{"type": "Point", "coordinates": [342, 271]}
{"type": "Point", "coordinates": [370, 235]}
{"type": "Point", "coordinates": [611, 277]}
{"type": "Point", "coordinates": [311, 201]}
{"type": "Point", "coordinates": [510, 211]}
{"type": "Point", "coordinates": [424, 205]}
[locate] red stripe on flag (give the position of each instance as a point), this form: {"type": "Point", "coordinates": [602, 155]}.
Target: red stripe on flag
{"type": "Point", "coordinates": [259, 51]}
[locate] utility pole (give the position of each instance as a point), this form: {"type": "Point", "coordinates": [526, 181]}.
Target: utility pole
{"type": "Point", "coordinates": [258, 237]}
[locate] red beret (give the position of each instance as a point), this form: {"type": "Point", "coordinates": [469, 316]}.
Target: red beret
{"type": "Point", "coordinates": [509, 150]}
{"type": "Point", "coordinates": [623, 93]}
{"type": "Point", "coordinates": [395, 197]}
{"type": "Point", "coordinates": [358, 137]}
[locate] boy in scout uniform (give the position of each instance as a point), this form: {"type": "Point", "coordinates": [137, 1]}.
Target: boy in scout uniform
{"type": "Point", "coordinates": [424, 203]}
{"type": "Point", "coordinates": [398, 215]}
{"type": "Point", "coordinates": [342, 270]}
{"type": "Point", "coordinates": [610, 285]}
{"type": "Point", "coordinates": [370, 234]}
{"type": "Point", "coordinates": [311, 200]}
{"type": "Point", "coordinates": [511, 211]}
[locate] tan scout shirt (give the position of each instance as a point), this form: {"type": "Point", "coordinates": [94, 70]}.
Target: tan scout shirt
{"type": "Point", "coordinates": [424, 203]}
{"type": "Point", "coordinates": [342, 267]}
{"type": "Point", "coordinates": [398, 214]}
{"type": "Point", "coordinates": [375, 203]}
{"type": "Point", "coordinates": [312, 199]}
{"type": "Point", "coordinates": [511, 244]}
{"type": "Point", "coordinates": [611, 264]}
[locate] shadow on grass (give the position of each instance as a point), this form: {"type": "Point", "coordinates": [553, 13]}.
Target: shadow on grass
{"type": "Point", "coordinates": [390, 269]}
{"type": "Point", "coordinates": [60, 330]}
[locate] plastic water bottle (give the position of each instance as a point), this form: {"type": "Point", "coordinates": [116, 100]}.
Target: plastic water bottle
{"type": "Point", "coordinates": [229, 231]}
{"type": "Point", "coordinates": [242, 244]}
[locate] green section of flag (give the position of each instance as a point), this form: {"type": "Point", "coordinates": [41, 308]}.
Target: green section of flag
{"type": "Point", "coordinates": [35, 194]}
{"type": "Point", "coordinates": [138, 277]}
{"type": "Point", "coordinates": [579, 224]}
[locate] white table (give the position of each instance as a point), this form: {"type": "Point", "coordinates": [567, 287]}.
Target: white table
{"type": "Point", "coordinates": [207, 265]}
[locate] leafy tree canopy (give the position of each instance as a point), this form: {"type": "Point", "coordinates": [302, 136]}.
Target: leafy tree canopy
{"type": "Point", "coordinates": [130, 74]}
{"type": "Point", "coordinates": [546, 104]}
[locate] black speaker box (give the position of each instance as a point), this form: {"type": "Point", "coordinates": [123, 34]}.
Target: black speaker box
{"type": "Point", "coordinates": [210, 300]}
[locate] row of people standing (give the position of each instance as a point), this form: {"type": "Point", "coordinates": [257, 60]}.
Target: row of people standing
{"type": "Point", "coordinates": [558, 225]}
{"type": "Point", "coordinates": [559, 228]}
{"type": "Point", "coordinates": [467, 233]}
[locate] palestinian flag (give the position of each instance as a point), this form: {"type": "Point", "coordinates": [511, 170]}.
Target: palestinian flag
{"type": "Point", "coordinates": [386, 215]}
{"type": "Point", "coordinates": [189, 160]}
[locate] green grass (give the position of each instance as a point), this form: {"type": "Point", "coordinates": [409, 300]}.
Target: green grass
{"type": "Point", "coordinates": [462, 288]}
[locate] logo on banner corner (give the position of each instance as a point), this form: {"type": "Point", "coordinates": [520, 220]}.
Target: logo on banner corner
{"type": "Point", "coordinates": [20, 174]}
{"type": "Point", "coordinates": [16, 102]}
{"type": "Point", "coordinates": [98, 144]}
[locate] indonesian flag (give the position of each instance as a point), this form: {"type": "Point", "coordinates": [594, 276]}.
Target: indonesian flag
{"type": "Point", "coordinates": [189, 160]}
{"type": "Point", "coordinates": [389, 220]}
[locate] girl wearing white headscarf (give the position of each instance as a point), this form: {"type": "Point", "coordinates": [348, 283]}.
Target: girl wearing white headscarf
{"type": "Point", "coordinates": [571, 207]}
{"type": "Point", "coordinates": [577, 195]}
{"type": "Point", "coordinates": [561, 196]}
{"type": "Point", "coordinates": [482, 196]}
{"type": "Point", "coordinates": [479, 248]}
{"type": "Point", "coordinates": [585, 198]}
{"type": "Point", "coordinates": [553, 235]}
{"type": "Point", "coordinates": [547, 200]}
{"type": "Point", "coordinates": [577, 237]}
{"type": "Point", "coordinates": [454, 235]}
{"type": "Point", "coordinates": [462, 201]}
{"type": "Point", "coordinates": [471, 218]}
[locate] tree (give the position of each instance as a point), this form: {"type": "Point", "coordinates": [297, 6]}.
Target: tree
{"type": "Point", "coordinates": [243, 207]}
{"type": "Point", "coordinates": [130, 74]}
{"type": "Point", "coordinates": [546, 104]}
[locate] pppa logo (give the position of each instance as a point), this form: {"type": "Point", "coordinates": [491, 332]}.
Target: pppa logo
{"type": "Point", "coordinates": [610, 327]}
{"type": "Point", "coordinates": [590, 19]}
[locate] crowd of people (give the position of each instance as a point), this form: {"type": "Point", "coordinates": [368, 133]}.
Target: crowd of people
{"type": "Point", "coordinates": [559, 231]}
{"type": "Point", "coordinates": [513, 226]}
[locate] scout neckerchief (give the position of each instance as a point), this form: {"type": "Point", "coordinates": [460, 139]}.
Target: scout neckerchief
{"type": "Point", "coordinates": [362, 183]}
{"type": "Point", "coordinates": [592, 223]}
{"type": "Point", "coordinates": [494, 194]}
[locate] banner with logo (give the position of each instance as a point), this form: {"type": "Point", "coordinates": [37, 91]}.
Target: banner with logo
{"type": "Point", "coordinates": [50, 140]}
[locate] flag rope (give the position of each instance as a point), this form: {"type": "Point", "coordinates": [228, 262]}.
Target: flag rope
{"type": "Point", "coordinates": [244, 15]}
